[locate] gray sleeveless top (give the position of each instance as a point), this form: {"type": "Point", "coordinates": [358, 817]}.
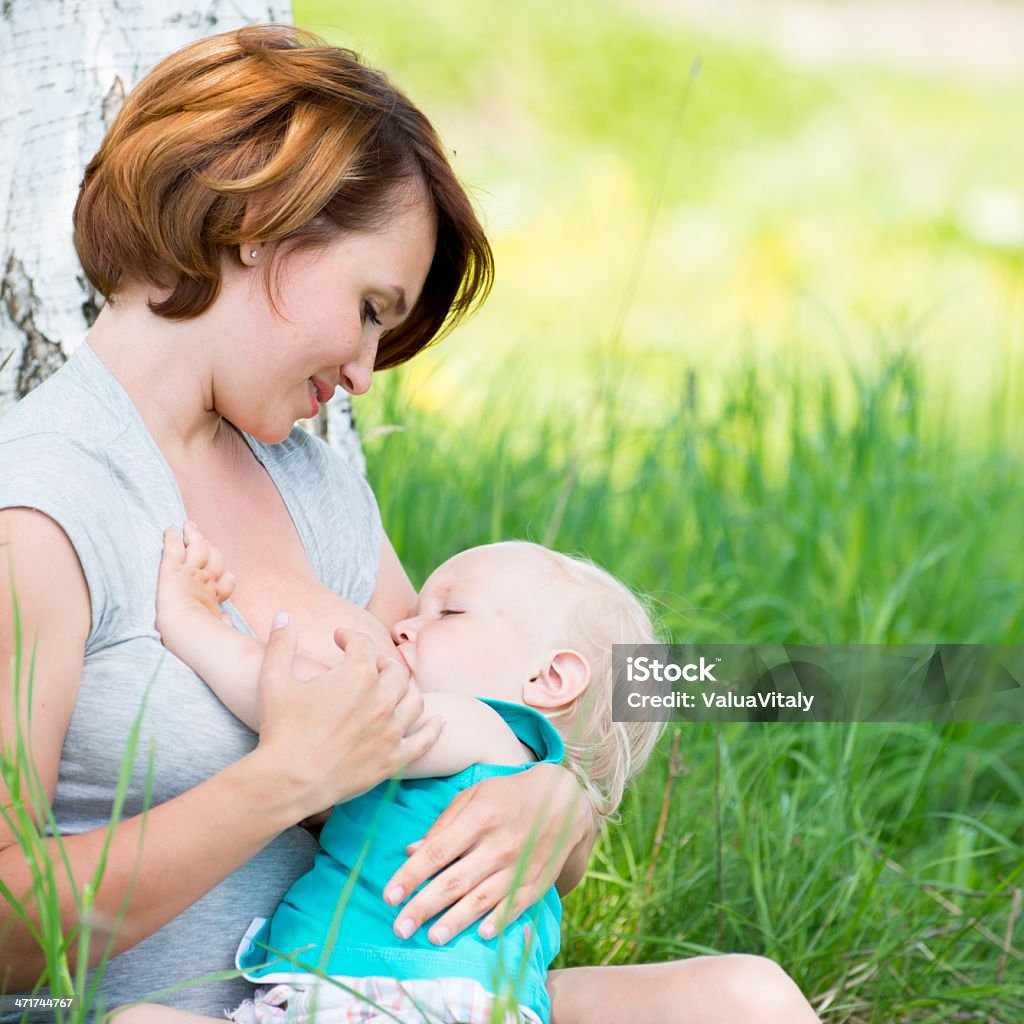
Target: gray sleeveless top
{"type": "Point", "coordinates": [77, 450]}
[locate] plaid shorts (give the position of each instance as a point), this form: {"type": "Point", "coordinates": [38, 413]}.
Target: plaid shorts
{"type": "Point", "coordinates": [379, 1001]}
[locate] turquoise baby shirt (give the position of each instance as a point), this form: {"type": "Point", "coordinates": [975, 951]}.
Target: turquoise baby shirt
{"type": "Point", "coordinates": [362, 846]}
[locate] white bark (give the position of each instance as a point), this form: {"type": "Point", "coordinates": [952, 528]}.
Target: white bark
{"type": "Point", "coordinates": [64, 67]}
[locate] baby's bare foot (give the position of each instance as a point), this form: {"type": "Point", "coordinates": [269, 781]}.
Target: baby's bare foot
{"type": "Point", "coordinates": [192, 579]}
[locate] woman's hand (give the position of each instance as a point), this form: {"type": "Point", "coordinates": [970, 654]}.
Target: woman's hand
{"type": "Point", "coordinates": [340, 733]}
{"type": "Point", "coordinates": [497, 847]}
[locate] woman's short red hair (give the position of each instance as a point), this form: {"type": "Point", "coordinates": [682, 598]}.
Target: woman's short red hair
{"type": "Point", "coordinates": [269, 133]}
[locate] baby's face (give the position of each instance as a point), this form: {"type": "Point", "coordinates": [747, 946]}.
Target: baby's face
{"type": "Point", "coordinates": [484, 623]}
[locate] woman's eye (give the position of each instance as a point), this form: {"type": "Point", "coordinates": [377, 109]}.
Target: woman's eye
{"type": "Point", "coordinates": [450, 611]}
{"type": "Point", "coordinates": [369, 313]}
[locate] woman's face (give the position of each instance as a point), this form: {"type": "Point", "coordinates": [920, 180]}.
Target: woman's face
{"type": "Point", "coordinates": [275, 367]}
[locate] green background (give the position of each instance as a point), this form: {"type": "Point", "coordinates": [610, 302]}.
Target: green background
{"type": "Point", "coordinates": [754, 345]}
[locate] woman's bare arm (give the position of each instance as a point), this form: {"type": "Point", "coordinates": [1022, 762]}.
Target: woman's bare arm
{"type": "Point", "coordinates": [394, 595]}
{"type": "Point", "coordinates": [41, 577]}
{"type": "Point", "coordinates": [323, 741]}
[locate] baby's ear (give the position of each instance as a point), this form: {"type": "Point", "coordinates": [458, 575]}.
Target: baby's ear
{"type": "Point", "coordinates": [562, 678]}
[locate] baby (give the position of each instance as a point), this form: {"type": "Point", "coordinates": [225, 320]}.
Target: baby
{"type": "Point", "coordinates": [511, 644]}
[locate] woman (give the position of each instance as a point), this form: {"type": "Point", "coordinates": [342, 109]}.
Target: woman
{"type": "Point", "coordinates": [268, 220]}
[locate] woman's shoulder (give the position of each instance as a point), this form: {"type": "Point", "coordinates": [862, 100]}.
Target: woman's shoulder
{"type": "Point", "coordinates": [80, 406]}
{"type": "Point", "coordinates": [66, 449]}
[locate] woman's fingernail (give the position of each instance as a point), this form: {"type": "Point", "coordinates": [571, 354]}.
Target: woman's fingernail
{"type": "Point", "coordinates": [394, 894]}
{"type": "Point", "coordinates": [413, 847]}
{"type": "Point", "coordinates": [440, 934]}
{"type": "Point", "coordinates": [487, 930]}
{"type": "Point", "coordinates": [280, 619]}
{"type": "Point", "coordinates": [405, 927]}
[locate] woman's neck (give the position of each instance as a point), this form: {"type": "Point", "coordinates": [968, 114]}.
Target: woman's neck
{"type": "Point", "coordinates": [160, 365]}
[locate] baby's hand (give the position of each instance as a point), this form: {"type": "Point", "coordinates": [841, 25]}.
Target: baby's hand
{"type": "Point", "coordinates": [193, 582]}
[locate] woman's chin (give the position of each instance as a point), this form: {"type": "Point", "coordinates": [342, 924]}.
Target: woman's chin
{"type": "Point", "coordinates": [270, 435]}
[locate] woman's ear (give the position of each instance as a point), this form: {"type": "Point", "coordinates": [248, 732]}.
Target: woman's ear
{"type": "Point", "coordinates": [249, 253]}
{"type": "Point", "coordinates": [562, 678]}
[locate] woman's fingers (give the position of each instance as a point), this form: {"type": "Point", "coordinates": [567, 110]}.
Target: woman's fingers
{"type": "Point", "coordinates": [503, 911]}
{"type": "Point", "coordinates": [470, 908]}
{"type": "Point", "coordinates": [417, 736]}
{"type": "Point", "coordinates": [470, 871]}
{"type": "Point", "coordinates": [448, 889]}
{"type": "Point", "coordinates": [502, 895]}
{"type": "Point", "coordinates": [420, 739]}
{"type": "Point", "coordinates": [470, 889]}
{"type": "Point", "coordinates": [280, 651]}
{"type": "Point", "coordinates": [408, 699]}
{"type": "Point", "coordinates": [353, 643]}
{"type": "Point", "coordinates": [276, 672]}
{"type": "Point", "coordinates": [508, 909]}
{"type": "Point", "coordinates": [394, 690]}
{"type": "Point", "coordinates": [498, 847]}
{"type": "Point", "coordinates": [347, 728]}
{"type": "Point", "coordinates": [436, 850]}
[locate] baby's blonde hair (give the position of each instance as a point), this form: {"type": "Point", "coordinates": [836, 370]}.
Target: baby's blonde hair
{"type": "Point", "coordinates": [604, 754]}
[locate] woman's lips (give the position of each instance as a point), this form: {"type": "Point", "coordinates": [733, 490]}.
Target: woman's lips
{"type": "Point", "coordinates": [324, 391]}
{"type": "Point", "coordinates": [319, 392]}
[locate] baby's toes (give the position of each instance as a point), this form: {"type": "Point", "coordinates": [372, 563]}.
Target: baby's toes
{"type": "Point", "coordinates": [215, 562]}
{"type": "Point", "coordinates": [174, 549]}
{"type": "Point", "coordinates": [225, 586]}
{"type": "Point", "coordinates": [197, 549]}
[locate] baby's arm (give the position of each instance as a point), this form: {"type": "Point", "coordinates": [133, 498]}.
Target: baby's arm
{"type": "Point", "coordinates": [192, 584]}
{"type": "Point", "coordinates": [473, 733]}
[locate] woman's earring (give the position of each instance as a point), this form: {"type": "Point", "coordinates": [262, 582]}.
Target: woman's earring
{"type": "Point", "coordinates": [253, 253]}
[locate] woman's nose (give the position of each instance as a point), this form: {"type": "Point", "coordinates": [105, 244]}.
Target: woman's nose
{"type": "Point", "coordinates": [356, 378]}
{"type": "Point", "coordinates": [357, 373]}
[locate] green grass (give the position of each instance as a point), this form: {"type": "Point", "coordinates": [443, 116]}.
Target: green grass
{"type": "Point", "coordinates": [775, 515]}
{"type": "Point", "coordinates": [29, 817]}
{"type": "Point", "coordinates": [879, 863]}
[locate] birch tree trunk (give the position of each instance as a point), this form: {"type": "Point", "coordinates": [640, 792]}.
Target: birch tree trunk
{"type": "Point", "coordinates": [65, 66]}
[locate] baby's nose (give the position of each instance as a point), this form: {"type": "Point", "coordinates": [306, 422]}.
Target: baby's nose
{"type": "Point", "coordinates": [404, 631]}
